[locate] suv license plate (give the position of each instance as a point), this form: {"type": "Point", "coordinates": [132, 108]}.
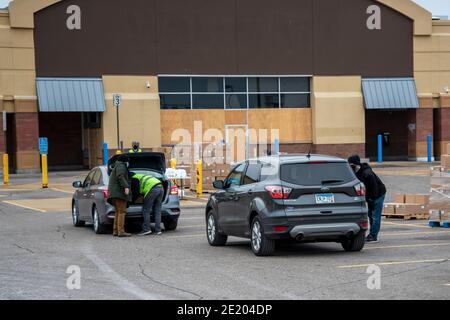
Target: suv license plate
{"type": "Point", "coordinates": [325, 198]}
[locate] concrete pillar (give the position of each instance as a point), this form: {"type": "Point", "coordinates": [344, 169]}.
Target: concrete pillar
{"type": "Point", "coordinates": [420, 126]}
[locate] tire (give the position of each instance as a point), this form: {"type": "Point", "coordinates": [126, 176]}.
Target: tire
{"type": "Point", "coordinates": [171, 225]}
{"type": "Point", "coordinates": [261, 245]}
{"type": "Point", "coordinates": [76, 217]}
{"type": "Point", "coordinates": [99, 228]}
{"type": "Point", "coordinates": [215, 238]}
{"type": "Point", "coordinates": [355, 244]}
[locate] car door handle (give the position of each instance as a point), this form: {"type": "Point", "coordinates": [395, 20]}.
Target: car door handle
{"type": "Point", "coordinates": [326, 212]}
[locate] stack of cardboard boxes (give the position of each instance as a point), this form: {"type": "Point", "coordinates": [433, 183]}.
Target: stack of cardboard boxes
{"type": "Point", "coordinates": [439, 215]}
{"type": "Point", "coordinates": [211, 173]}
{"type": "Point", "coordinates": [445, 159]}
{"type": "Point", "coordinates": [409, 206]}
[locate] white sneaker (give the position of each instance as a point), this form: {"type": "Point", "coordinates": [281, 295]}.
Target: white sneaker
{"type": "Point", "coordinates": [145, 233]}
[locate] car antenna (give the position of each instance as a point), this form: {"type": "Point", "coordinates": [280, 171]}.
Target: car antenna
{"type": "Point", "coordinates": [309, 153]}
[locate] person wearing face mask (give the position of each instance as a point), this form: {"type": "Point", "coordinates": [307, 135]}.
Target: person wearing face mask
{"type": "Point", "coordinates": [119, 194]}
{"type": "Point", "coordinates": [375, 194]}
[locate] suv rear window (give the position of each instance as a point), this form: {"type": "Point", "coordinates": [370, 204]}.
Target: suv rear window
{"type": "Point", "coordinates": [313, 174]}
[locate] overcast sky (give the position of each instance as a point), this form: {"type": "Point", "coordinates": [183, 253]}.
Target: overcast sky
{"type": "Point", "coordinates": [437, 7]}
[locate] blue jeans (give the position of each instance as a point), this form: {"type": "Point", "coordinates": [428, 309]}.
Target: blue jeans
{"type": "Point", "coordinates": [375, 210]}
{"type": "Point", "coordinates": [153, 203]}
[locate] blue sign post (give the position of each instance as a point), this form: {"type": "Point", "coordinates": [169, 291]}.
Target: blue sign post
{"type": "Point", "coordinates": [380, 148]}
{"type": "Point", "coordinates": [429, 148]}
{"type": "Point", "coordinates": [105, 154]}
{"type": "Point", "coordinates": [43, 149]}
{"type": "Point", "coordinates": [43, 146]}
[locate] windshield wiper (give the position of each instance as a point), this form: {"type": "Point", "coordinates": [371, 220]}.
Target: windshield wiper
{"type": "Point", "coordinates": [331, 181]}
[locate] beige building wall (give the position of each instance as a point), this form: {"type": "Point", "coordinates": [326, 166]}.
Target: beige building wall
{"type": "Point", "coordinates": [337, 111]}
{"type": "Point", "coordinates": [139, 114]}
{"type": "Point", "coordinates": [432, 61]}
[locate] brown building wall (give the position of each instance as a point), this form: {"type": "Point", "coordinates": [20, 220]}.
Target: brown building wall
{"type": "Point", "coordinates": [151, 37]}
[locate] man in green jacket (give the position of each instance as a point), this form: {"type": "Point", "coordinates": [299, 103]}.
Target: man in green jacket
{"type": "Point", "coordinates": [119, 194]}
{"type": "Point", "coordinates": [152, 190]}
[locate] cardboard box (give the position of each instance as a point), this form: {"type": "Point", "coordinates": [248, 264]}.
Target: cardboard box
{"type": "Point", "coordinates": [411, 209]}
{"type": "Point", "coordinates": [389, 209]}
{"type": "Point", "coordinates": [410, 198]}
{"type": "Point", "coordinates": [445, 161]}
{"type": "Point", "coordinates": [422, 199]}
{"type": "Point", "coordinates": [439, 215]}
{"type": "Point", "coordinates": [400, 198]}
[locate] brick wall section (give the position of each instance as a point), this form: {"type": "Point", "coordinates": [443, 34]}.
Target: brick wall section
{"type": "Point", "coordinates": [341, 150]}
{"type": "Point", "coordinates": [27, 131]}
{"type": "Point", "coordinates": [2, 136]}
{"type": "Point", "coordinates": [424, 124]}
{"type": "Point", "coordinates": [443, 124]}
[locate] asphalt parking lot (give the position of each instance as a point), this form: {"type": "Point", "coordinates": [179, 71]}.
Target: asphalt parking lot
{"type": "Point", "coordinates": [38, 244]}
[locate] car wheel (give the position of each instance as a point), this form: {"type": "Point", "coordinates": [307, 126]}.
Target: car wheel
{"type": "Point", "coordinates": [261, 245]}
{"type": "Point", "coordinates": [99, 228]}
{"type": "Point", "coordinates": [355, 244]}
{"type": "Point", "coordinates": [212, 232]}
{"type": "Point", "coordinates": [76, 216]}
{"type": "Point", "coordinates": [171, 225]}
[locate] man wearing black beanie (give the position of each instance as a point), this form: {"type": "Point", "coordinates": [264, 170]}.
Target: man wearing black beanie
{"type": "Point", "coordinates": [375, 194]}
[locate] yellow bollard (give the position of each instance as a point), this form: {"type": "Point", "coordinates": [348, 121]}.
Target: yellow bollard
{"type": "Point", "coordinates": [44, 172]}
{"type": "Point", "coordinates": [173, 163]}
{"type": "Point", "coordinates": [199, 179]}
{"type": "Point", "coordinates": [5, 169]}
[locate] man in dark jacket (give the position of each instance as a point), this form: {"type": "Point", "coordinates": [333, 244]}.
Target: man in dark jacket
{"type": "Point", "coordinates": [375, 194]}
{"type": "Point", "coordinates": [119, 194]}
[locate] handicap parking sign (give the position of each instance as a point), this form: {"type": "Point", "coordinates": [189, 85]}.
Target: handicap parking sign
{"type": "Point", "coordinates": [43, 146]}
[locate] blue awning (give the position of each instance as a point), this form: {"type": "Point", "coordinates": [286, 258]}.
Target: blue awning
{"type": "Point", "coordinates": [390, 93]}
{"type": "Point", "coordinates": [70, 95]}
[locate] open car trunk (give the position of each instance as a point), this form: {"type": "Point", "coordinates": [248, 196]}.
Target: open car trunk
{"type": "Point", "coordinates": [148, 163]}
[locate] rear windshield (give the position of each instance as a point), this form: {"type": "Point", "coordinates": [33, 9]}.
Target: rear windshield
{"type": "Point", "coordinates": [312, 174]}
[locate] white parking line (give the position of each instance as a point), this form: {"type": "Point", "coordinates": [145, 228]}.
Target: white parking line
{"type": "Point", "coordinates": [410, 246]}
{"type": "Point", "coordinates": [119, 280]}
{"type": "Point", "coordinates": [390, 263]}
{"type": "Point", "coordinates": [399, 234]}
{"type": "Point", "coordinates": [405, 225]}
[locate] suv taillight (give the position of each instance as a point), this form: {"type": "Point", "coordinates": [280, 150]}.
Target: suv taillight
{"type": "Point", "coordinates": [173, 190]}
{"type": "Point", "coordinates": [278, 192]}
{"type": "Point", "coordinates": [105, 194]}
{"type": "Point", "coordinates": [360, 189]}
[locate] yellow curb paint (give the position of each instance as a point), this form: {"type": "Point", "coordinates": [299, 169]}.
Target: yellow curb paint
{"type": "Point", "coordinates": [392, 263]}
{"type": "Point", "coordinates": [24, 207]}
{"type": "Point", "coordinates": [410, 246]}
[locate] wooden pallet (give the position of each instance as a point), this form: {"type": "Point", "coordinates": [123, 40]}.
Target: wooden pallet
{"type": "Point", "coordinates": [419, 216]}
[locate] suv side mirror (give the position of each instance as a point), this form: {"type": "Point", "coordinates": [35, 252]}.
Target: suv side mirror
{"type": "Point", "coordinates": [77, 184]}
{"type": "Point", "coordinates": [218, 184]}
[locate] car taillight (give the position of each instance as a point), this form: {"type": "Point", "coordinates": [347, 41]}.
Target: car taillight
{"type": "Point", "coordinates": [174, 190]}
{"type": "Point", "coordinates": [360, 189]}
{"type": "Point", "coordinates": [364, 224]}
{"type": "Point", "coordinates": [105, 194]}
{"type": "Point", "coordinates": [279, 192]}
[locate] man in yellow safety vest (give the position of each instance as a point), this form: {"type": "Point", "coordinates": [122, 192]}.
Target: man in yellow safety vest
{"type": "Point", "coordinates": [135, 148]}
{"type": "Point", "coordinates": [152, 190]}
